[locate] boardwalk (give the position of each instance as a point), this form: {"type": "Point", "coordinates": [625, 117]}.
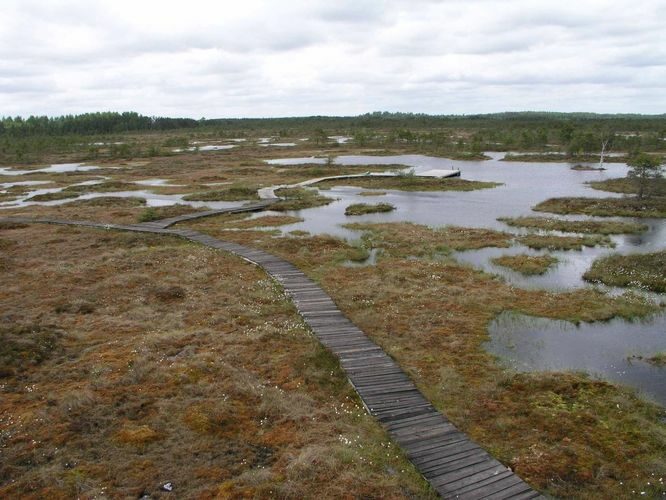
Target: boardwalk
{"type": "Point", "coordinates": [454, 465]}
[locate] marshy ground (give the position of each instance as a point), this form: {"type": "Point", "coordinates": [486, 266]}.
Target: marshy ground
{"type": "Point", "coordinates": [130, 361]}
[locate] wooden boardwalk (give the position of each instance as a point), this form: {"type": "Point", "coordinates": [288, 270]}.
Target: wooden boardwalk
{"type": "Point", "coordinates": [248, 207]}
{"type": "Point", "coordinates": [455, 466]}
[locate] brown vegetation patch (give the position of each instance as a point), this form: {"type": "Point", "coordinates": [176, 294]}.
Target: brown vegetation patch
{"type": "Point", "coordinates": [410, 183]}
{"type": "Point", "coordinates": [299, 199]}
{"type": "Point", "coordinates": [222, 389]}
{"type": "Point", "coordinates": [368, 208]}
{"type": "Point", "coordinates": [526, 264]}
{"type": "Point", "coordinates": [605, 207]}
{"type": "Point", "coordinates": [263, 221]}
{"type": "Point", "coordinates": [234, 193]}
{"type": "Point", "coordinates": [656, 187]}
{"type": "Point", "coordinates": [398, 239]}
{"type": "Point", "coordinates": [551, 242]}
{"type": "Point", "coordinates": [576, 226]}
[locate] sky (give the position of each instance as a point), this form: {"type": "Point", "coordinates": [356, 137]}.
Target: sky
{"type": "Point", "coordinates": [262, 58]}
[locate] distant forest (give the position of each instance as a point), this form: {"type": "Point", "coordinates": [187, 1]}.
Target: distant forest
{"type": "Point", "coordinates": [112, 122]}
{"type": "Point", "coordinates": [130, 135]}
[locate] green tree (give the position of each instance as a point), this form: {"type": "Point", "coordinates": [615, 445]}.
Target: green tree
{"type": "Point", "coordinates": [645, 169]}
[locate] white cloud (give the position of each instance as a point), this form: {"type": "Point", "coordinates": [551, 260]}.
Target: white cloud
{"type": "Point", "coordinates": [262, 58]}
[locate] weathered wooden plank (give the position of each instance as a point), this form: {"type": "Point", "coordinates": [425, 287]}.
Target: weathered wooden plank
{"type": "Point", "coordinates": [485, 488]}
{"type": "Point", "coordinates": [468, 475]}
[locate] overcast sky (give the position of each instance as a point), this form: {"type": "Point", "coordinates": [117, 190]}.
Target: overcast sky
{"type": "Point", "coordinates": [252, 58]}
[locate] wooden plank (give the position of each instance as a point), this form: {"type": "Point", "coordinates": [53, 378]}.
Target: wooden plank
{"type": "Point", "coordinates": [468, 475]}
{"type": "Point", "coordinates": [486, 487]}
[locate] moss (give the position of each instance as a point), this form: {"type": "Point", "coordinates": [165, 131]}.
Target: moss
{"type": "Point", "coordinates": [550, 242]}
{"type": "Point", "coordinates": [263, 221]}
{"type": "Point", "coordinates": [104, 187]}
{"type": "Point", "coordinates": [299, 199]}
{"type": "Point", "coordinates": [186, 345]}
{"type": "Point", "coordinates": [397, 239]}
{"type": "Point", "coordinates": [59, 195]}
{"type": "Point", "coordinates": [238, 193]}
{"type": "Point", "coordinates": [109, 202]}
{"type": "Point", "coordinates": [23, 346]}
{"type": "Point", "coordinates": [526, 264]}
{"type": "Point", "coordinates": [605, 207]}
{"type": "Point", "coordinates": [411, 183]}
{"type": "Point", "coordinates": [646, 271]}
{"type": "Point", "coordinates": [657, 187]}
{"type": "Point", "coordinates": [577, 226]}
{"type": "Point", "coordinates": [366, 208]}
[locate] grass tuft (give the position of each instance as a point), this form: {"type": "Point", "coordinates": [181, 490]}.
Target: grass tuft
{"type": "Point", "coordinates": [646, 271]}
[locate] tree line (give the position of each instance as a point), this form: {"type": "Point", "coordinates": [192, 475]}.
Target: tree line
{"type": "Point", "coordinates": [89, 124]}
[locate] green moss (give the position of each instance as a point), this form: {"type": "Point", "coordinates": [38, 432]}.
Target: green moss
{"type": "Point", "coordinates": [367, 208]}
{"type": "Point", "coordinates": [549, 242]}
{"type": "Point", "coordinates": [411, 183]}
{"type": "Point", "coordinates": [238, 193]}
{"type": "Point", "coordinates": [605, 207]}
{"type": "Point", "coordinates": [526, 264]}
{"type": "Point", "coordinates": [657, 187]}
{"type": "Point", "coordinates": [60, 195]}
{"type": "Point", "coordinates": [104, 187]}
{"type": "Point", "coordinates": [299, 199]}
{"type": "Point", "coordinates": [578, 226]}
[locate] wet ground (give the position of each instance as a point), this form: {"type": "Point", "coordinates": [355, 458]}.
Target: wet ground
{"type": "Point", "coordinates": [605, 349]}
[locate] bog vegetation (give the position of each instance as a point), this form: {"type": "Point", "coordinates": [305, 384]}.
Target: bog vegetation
{"type": "Point", "coordinates": [129, 361]}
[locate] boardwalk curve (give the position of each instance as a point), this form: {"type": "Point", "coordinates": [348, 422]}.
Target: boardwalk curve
{"type": "Point", "coordinates": [453, 464]}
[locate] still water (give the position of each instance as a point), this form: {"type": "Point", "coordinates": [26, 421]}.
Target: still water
{"type": "Point", "coordinates": [611, 350]}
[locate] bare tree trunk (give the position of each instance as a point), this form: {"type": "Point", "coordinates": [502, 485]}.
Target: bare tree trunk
{"type": "Point", "coordinates": [604, 145]}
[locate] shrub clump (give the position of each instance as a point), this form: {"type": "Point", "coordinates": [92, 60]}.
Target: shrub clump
{"type": "Point", "coordinates": [168, 293]}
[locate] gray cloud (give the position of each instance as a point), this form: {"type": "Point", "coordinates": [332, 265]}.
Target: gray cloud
{"type": "Point", "coordinates": [261, 58]}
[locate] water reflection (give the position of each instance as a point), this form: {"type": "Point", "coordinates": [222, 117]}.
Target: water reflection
{"type": "Point", "coordinates": [524, 184]}
{"type": "Point", "coordinates": [605, 349]}
{"type": "Point", "coordinates": [53, 169]}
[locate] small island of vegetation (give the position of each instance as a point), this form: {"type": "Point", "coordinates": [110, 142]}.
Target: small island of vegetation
{"type": "Point", "coordinates": [529, 265]}
{"type": "Point", "coordinates": [368, 208]}
{"type": "Point", "coordinates": [646, 271]}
